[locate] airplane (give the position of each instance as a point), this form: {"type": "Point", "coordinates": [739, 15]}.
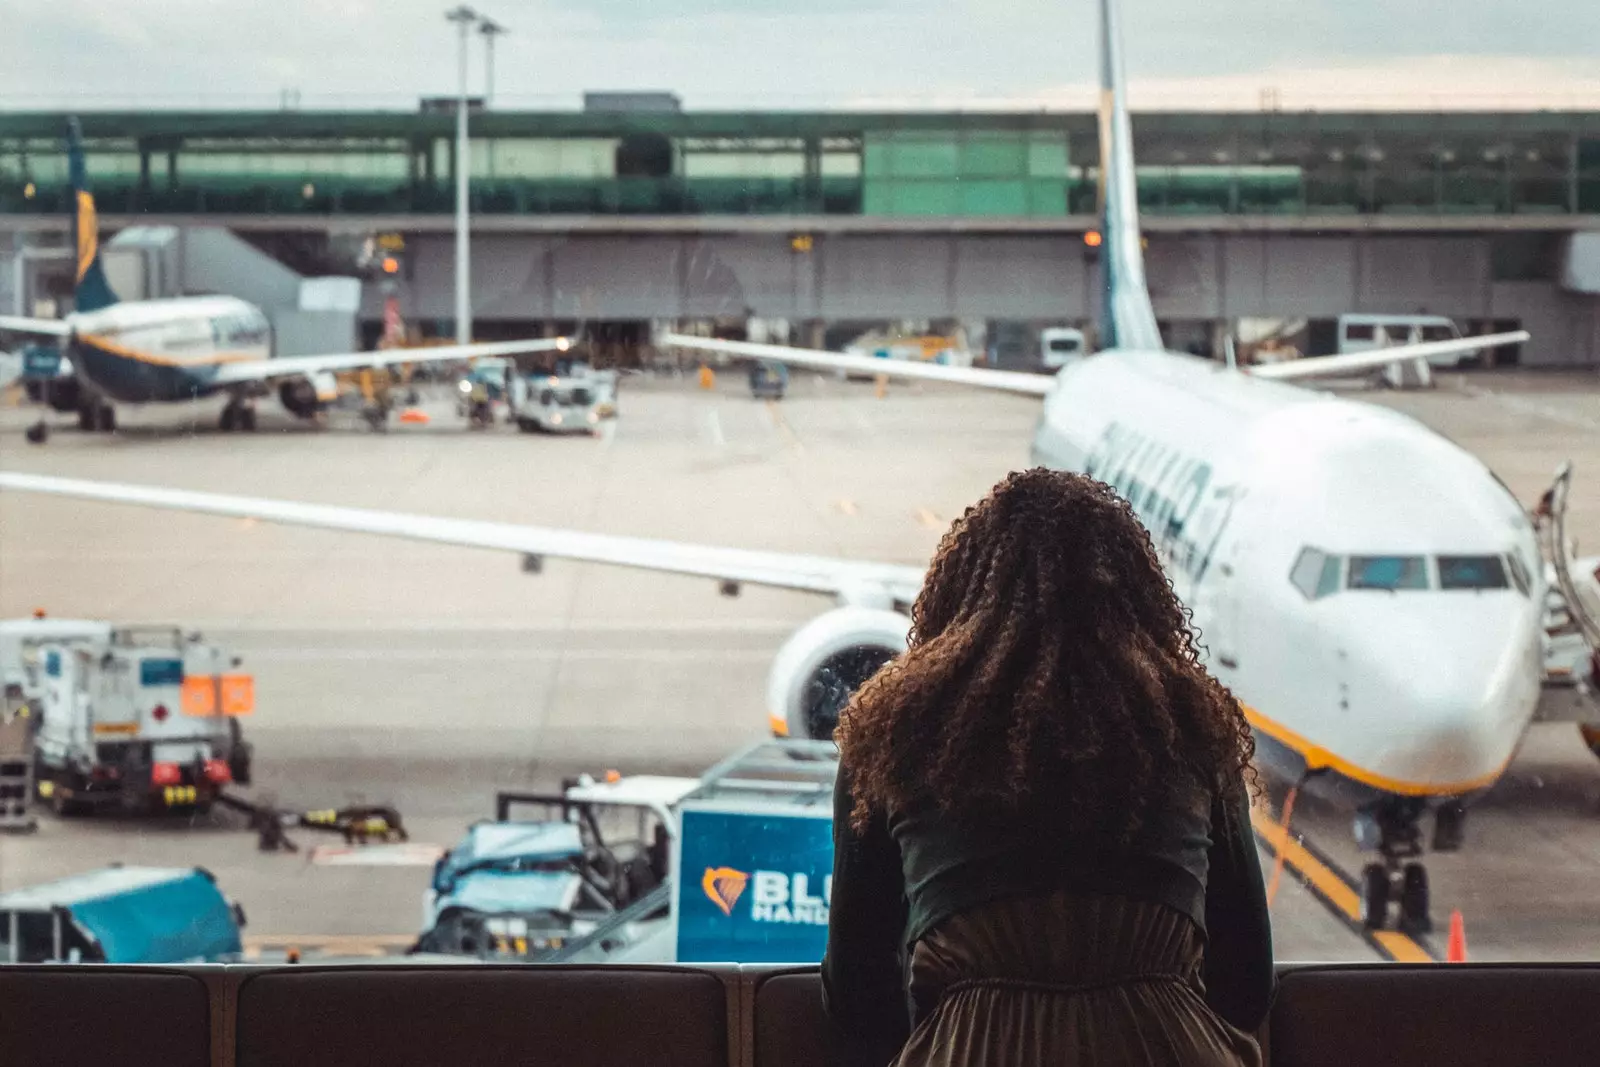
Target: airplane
{"type": "Point", "coordinates": [1370, 591]}
{"type": "Point", "coordinates": [177, 349]}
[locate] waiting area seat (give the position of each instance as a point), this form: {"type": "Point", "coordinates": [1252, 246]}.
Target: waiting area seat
{"type": "Point", "coordinates": [790, 1028]}
{"type": "Point", "coordinates": [72, 1016]}
{"type": "Point", "coordinates": [1460, 1016]}
{"type": "Point", "coordinates": [437, 1015]}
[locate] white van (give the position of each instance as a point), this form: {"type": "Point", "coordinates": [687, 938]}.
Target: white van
{"type": "Point", "coordinates": [1362, 333]}
{"type": "Point", "coordinates": [1060, 345]}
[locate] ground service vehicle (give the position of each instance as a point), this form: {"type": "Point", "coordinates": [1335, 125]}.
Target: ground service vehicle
{"type": "Point", "coordinates": [555, 405]}
{"type": "Point", "coordinates": [1060, 345]}
{"type": "Point", "coordinates": [536, 890]}
{"type": "Point", "coordinates": [768, 380]}
{"type": "Point", "coordinates": [121, 915]}
{"type": "Point", "coordinates": [1363, 333]}
{"type": "Point", "coordinates": [143, 718]}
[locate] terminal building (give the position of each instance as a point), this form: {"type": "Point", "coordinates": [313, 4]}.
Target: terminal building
{"type": "Point", "coordinates": [633, 210]}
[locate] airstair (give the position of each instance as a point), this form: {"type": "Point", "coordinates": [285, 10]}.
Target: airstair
{"type": "Point", "coordinates": [1571, 690]}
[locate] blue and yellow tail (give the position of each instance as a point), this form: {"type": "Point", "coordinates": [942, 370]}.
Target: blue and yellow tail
{"type": "Point", "coordinates": [1127, 318]}
{"type": "Point", "coordinates": [92, 290]}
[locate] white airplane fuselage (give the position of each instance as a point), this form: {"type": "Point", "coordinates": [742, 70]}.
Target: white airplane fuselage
{"type": "Point", "coordinates": [164, 350]}
{"type": "Point", "coordinates": [1415, 691]}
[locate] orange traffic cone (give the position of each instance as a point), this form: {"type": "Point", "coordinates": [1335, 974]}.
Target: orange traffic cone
{"type": "Point", "coordinates": [1456, 950]}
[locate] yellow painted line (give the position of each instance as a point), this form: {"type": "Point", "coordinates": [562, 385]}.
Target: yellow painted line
{"type": "Point", "coordinates": [846, 505]}
{"type": "Point", "coordinates": [1332, 887]}
{"type": "Point", "coordinates": [1401, 947]}
{"type": "Point", "coordinates": [1313, 870]}
{"type": "Point", "coordinates": [930, 519]}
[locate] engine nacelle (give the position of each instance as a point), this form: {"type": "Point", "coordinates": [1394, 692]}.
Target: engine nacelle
{"type": "Point", "coordinates": [824, 662]}
{"type": "Point", "coordinates": [304, 397]}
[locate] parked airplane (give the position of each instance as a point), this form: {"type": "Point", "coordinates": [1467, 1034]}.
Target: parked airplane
{"type": "Point", "coordinates": [163, 351]}
{"type": "Point", "coordinates": [1369, 590]}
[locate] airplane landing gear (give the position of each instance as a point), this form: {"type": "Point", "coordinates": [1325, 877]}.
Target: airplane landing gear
{"type": "Point", "coordinates": [238, 415]}
{"type": "Point", "coordinates": [38, 433]}
{"type": "Point", "coordinates": [1394, 824]}
{"type": "Point", "coordinates": [95, 417]}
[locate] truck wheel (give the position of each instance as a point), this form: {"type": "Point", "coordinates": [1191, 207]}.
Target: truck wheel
{"type": "Point", "coordinates": [66, 807]}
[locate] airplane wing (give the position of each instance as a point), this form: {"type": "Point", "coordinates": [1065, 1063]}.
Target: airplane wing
{"type": "Point", "coordinates": [851, 581]}
{"type": "Point", "coordinates": [1004, 380]}
{"type": "Point", "coordinates": [294, 366]}
{"type": "Point", "coordinates": [43, 327]}
{"type": "Point", "coordinates": [1356, 362]}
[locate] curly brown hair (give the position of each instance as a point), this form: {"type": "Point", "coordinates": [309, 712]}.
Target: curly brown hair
{"type": "Point", "coordinates": [1050, 667]}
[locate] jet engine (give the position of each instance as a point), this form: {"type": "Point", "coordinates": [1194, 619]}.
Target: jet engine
{"type": "Point", "coordinates": [825, 661]}
{"type": "Point", "coordinates": [299, 398]}
{"type": "Point", "coordinates": [304, 397]}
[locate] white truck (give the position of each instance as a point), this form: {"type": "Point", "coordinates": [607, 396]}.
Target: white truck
{"type": "Point", "coordinates": [139, 718]}
{"type": "Point", "coordinates": [1060, 345]}
{"type": "Point", "coordinates": [1363, 333]}
{"type": "Point", "coordinates": [554, 404]}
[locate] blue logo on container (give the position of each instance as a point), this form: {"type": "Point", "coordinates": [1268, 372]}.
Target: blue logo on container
{"type": "Point", "coordinates": [52, 663]}
{"type": "Point", "coordinates": [754, 888]}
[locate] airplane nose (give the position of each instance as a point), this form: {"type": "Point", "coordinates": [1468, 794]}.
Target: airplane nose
{"type": "Point", "coordinates": [1446, 708]}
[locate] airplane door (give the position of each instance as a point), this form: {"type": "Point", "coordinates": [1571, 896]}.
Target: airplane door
{"type": "Point", "coordinates": [1223, 637]}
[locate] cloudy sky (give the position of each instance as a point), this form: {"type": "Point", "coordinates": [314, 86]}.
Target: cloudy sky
{"type": "Point", "coordinates": [838, 53]}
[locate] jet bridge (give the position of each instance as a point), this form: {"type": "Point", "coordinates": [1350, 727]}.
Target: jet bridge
{"type": "Point", "coordinates": [1571, 690]}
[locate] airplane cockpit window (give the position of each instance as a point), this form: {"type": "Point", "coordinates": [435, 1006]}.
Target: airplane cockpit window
{"type": "Point", "coordinates": [1388, 572]}
{"type": "Point", "coordinates": [1316, 573]}
{"type": "Point", "coordinates": [1472, 572]}
{"type": "Point", "coordinates": [1519, 573]}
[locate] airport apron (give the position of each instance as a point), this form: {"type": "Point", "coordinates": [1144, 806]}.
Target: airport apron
{"type": "Point", "coordinates": [1066, 979]}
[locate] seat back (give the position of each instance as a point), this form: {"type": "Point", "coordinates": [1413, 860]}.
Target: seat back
{"type": "Point", "coordinates": [1458, 1016]}
{"type": "Point", "coordinates": [72, 1016]}
{"type": "Point", "coordinates": [788, 1026]}
{"type": "Point", "coordinates": [427, 1016]}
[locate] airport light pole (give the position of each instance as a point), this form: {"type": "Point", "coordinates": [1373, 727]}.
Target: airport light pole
{"type": "Point", "coordinates": [490, 30]}
{"type": "Point", "coordinates": [464, 18]}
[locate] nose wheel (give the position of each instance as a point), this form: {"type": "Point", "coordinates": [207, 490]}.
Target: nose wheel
{"type": "Point", "coordinates": [1400, 878]}
{"type": "Point", "coordinates": [1407, 886]}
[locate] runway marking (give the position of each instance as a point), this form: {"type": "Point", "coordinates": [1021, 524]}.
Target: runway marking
{"type": "Point", "coordinates": [846, 505]}
{"type": "Point", "coordinates": [1336, 891]}
{"type": "Point", "coordinates": [410, 854]}
{"type": "Point", "coordinates": [714, 428]}
{"type": "Point", "coordinates": [783, 425]}
{"type": "Point", "coordinates": [468, 655]}
{"type": "Point", "coordinates": [368, 945]}
{"type": "Point", "coordinates": [1530, 407]}
{"type": "Point", "coordinates": [930, 519]}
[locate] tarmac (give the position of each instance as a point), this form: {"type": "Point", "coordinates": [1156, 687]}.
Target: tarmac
{"type": "Point", "coordinates": [429, 676]}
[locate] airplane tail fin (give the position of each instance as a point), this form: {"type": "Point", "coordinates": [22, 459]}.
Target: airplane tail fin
{"type": "Point", "coordinates": [1127, 318]}
{"type": "Point", "coordinates": [92, 290]}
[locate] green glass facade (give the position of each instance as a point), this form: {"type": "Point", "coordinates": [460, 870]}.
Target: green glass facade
{"type": "Point", "coordinates": [1035, 165]}
{"type": "Point", "coordinates": [970, 172]}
